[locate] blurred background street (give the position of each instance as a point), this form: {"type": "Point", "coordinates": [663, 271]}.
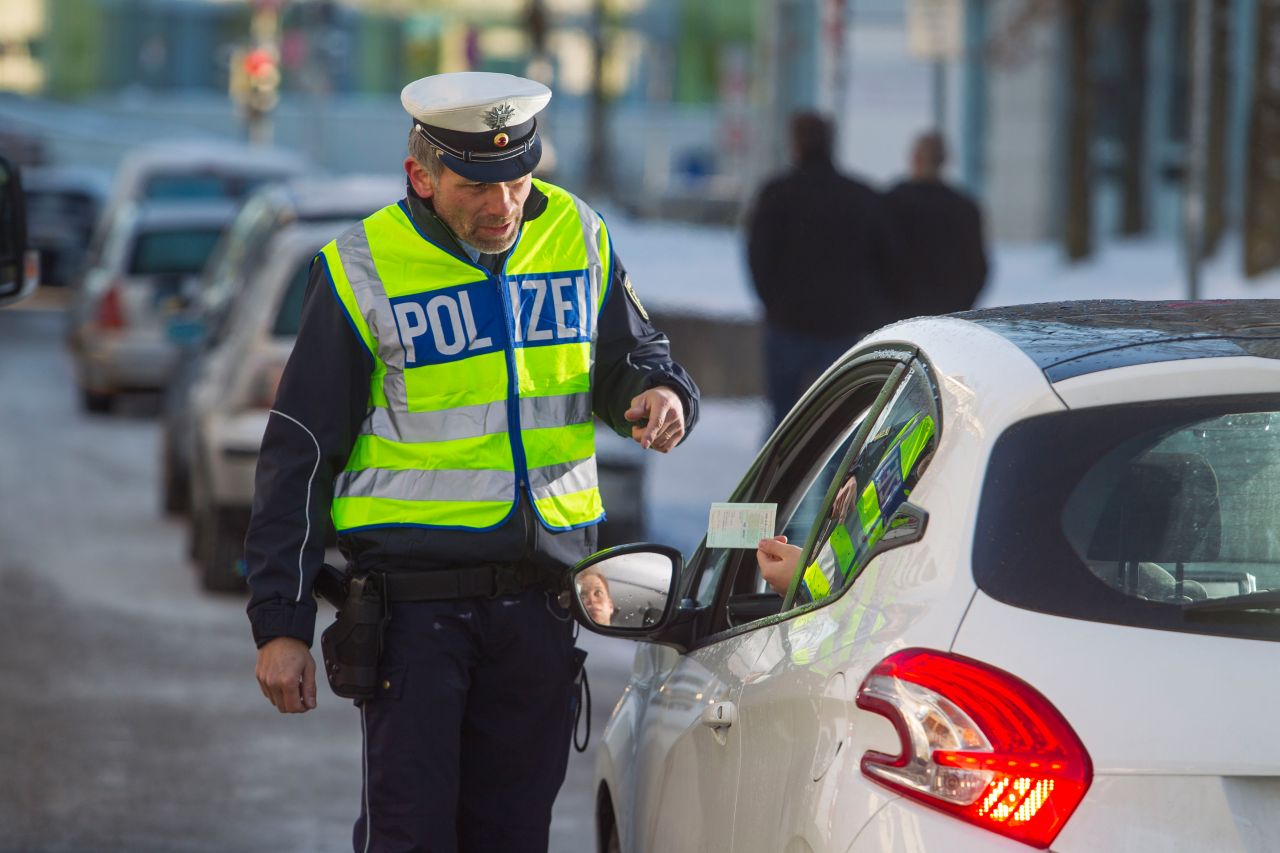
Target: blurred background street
{"type": "Point", "coordinates": [180, 159]}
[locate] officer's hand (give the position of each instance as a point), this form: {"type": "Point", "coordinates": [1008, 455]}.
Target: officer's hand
{"type": "Point", "coordinates": [665, 413]}
{"type": "Point", "coordinates": [287, 675]}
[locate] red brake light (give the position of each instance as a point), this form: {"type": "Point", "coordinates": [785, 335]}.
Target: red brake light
{"type": "Point", "coordinates": [977, 743]}
{"type": "Point", "coordinates": [111, 308]}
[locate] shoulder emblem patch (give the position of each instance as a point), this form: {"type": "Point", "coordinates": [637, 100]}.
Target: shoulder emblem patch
{"type": "Point", "coordinates": [631, 294]}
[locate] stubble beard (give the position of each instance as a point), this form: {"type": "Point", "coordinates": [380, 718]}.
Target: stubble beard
{"type": "Point", "coordinates": [469, 233]}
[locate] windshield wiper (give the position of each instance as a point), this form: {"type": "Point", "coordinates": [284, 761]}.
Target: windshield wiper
{"type": "Point", "coordinates": [1267, 599]}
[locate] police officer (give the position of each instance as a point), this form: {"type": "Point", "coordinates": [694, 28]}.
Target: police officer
{"type": "Point", "coordinates": [439, 399]}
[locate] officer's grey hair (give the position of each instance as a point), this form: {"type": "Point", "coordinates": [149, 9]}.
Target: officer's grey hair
{"type": "Point", "coordinates": [425, 154]}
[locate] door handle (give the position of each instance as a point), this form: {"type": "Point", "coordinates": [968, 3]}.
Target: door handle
{"type": "Point", "coordinates": [719, 716]}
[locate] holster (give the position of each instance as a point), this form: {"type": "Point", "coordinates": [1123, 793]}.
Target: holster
{"type": "Point", "coordinates": [352, 645]}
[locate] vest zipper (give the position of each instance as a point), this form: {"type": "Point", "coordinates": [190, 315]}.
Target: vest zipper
{"type": "Point", "coordinates": [514, 432]}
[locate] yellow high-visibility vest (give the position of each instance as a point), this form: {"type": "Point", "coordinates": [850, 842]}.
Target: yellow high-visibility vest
{"type": "Point", "coordinates": [481, 385]}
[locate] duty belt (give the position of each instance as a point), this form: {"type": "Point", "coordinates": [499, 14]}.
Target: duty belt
{"type": "Point", "coordinates": [484, 581]}
{"type": "Point", "coordinates": [469, 582]}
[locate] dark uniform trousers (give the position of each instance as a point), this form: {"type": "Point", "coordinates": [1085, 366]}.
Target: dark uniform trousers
{"type": "Point", "coordinates": [467, 741]}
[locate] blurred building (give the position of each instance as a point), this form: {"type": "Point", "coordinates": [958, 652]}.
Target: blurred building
{"type": "Point", "coordinates": [673, 77]}
{"type": "Point", "coordinates": [1061, 113]}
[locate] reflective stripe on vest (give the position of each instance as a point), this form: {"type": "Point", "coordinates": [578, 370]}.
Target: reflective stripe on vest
{"type": "Point", "coordinates": [481, 382]}
{"type": "Point", "coordinates": [841, 553]}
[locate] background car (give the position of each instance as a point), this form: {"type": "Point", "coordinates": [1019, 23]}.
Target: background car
{"type": "Point", "coordinates": [231, 398]}
{"type": "Point", "coordinates": [149, 270]}
{"type": "Point", "coordinates": [1054, 611]}
{"type": "Point", "coordinates": [63, 203]}
{"type": "Point", "coordinates": [274, 206]}
{"type": "Point", "coordinates": [192, 171]}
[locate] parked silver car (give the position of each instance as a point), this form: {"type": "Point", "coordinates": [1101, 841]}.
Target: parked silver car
{"type": "Point", "coordinates": [234, 392]}
{"type": "Point", "coordinates": [148, 271]}
{"type": "Point", "coordinates": [193, 171]}
{"type": "Point", "coordinates": [241, 253]}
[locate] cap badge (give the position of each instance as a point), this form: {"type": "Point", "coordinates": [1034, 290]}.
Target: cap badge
{"type": "Point", "coordinates": [497, 117]}
{"type": "Point", "coordinates": [501, 140]}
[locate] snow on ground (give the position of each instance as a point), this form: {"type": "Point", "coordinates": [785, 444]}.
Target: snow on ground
{"type": "Point", "coordinates": [702, 269]}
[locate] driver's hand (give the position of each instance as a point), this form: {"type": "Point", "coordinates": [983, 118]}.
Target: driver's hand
{"type": "Point", "coordinates": [777, 561]}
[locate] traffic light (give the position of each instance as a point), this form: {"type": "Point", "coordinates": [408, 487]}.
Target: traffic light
{"type": "Point", "coordinates": [262, 75]}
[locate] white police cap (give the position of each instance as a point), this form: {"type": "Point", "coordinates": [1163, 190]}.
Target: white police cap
{"type": "Point", "coordinates": [482, 124]}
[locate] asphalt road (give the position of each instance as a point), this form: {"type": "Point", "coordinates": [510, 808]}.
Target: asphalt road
{"type": "Point", "coordinates": [129, 715]}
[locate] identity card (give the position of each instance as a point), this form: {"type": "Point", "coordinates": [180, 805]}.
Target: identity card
{"type": "Point", "coordinates": [740, 525]}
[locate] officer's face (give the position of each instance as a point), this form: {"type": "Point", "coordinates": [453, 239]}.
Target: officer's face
{"type": "Point", "coordinates": [486, 216]}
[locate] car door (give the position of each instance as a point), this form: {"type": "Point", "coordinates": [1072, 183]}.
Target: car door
{"type": "Point", "coordinates": [689, 747]}
{"type": "Point", "coordinates": [796, 707]}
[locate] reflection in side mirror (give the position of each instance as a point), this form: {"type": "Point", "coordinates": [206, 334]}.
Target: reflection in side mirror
{"type": "Point", "coordinates": [906, 525]}
{"type": "Point", "coordinates": [626, 591]}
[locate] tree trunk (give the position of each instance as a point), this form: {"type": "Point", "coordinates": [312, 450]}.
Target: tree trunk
{"type": "Point", "coordinates": [1216, 159]}
{"type": "Point", "coordinates": [1078, 228]}
{"type": "Point", "coordinates": [598, 178]}
{"type": "Point", "coordinates": [1135, 18]}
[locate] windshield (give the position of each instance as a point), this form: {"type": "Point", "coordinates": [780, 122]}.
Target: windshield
{"type": "Point", "coordinates": [176, 252]}
{"type": "Point", "coordinates": [185, 186]}
{"type": "Point", "coordinates": [289, 317]}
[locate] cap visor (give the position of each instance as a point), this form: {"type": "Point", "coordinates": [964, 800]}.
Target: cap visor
{"type": "Point", "coordinates": [499, 171]}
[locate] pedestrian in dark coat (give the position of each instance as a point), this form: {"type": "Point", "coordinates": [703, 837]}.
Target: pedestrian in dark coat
{"type": "Point", "coordinates": [943, 265]}
{"type": "Point", "coordinates": [819, 248]}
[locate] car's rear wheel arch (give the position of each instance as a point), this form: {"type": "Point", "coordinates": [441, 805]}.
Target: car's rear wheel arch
{"type": "Point", "coordinates": [607, 838]}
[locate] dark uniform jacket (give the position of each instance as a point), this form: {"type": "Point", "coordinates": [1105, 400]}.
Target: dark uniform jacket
{"type": "Point", "coordinates": [324, 397]}
{"type": "Point", "coordinates": [944, 263]}
{"type": "Point", "coordinates": [821, 253]}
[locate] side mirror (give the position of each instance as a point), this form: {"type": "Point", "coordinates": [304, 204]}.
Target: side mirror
{"type": "Point", "coordinates": [628, 591]}
{"type": "Point", "coordinates": [19, 268]}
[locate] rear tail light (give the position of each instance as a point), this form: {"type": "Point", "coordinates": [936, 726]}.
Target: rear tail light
{"type": "Point", "coordinates": [111, 308]}
{"type": "Point", "coordinates": [977, 743]}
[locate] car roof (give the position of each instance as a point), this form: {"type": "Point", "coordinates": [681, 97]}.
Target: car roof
{"type": "Point", "coordinates": [1067, 339]}
{"type": "Point", "coordinates": [307, 237]}
{"type": "Point", "coordinates": [327, 197]}
{"type": "Point", "coordinates": [213, 153]}
{"type": "Point", "coordinates": [356, 196]}
{"type": "Point", "coordinates": [67, 179]}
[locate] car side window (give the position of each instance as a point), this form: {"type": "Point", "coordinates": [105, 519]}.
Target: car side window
{"type": "Point", "coordinates": [795, 471]}
{"type": "Point", "coordinates": [804, 509]}
{"type": "Point", "coordinates": [871, 488]}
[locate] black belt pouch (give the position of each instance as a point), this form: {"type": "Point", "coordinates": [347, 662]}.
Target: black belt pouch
{"type": "Point", "coordinates": [352, 645]}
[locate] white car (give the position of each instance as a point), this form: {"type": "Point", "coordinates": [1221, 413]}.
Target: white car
{"type": "Point", "coordinates": [1052, 615]}
{"type": "Point", "coordinates": [232, 396]}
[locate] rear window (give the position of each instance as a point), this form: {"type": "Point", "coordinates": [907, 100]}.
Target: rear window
{"type": "Point", "coordinates": [1139, 515]}
{"type": "Point", "coordinates": [176, 252]}
{"type": "Point", "coordinates": [289, 317]}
